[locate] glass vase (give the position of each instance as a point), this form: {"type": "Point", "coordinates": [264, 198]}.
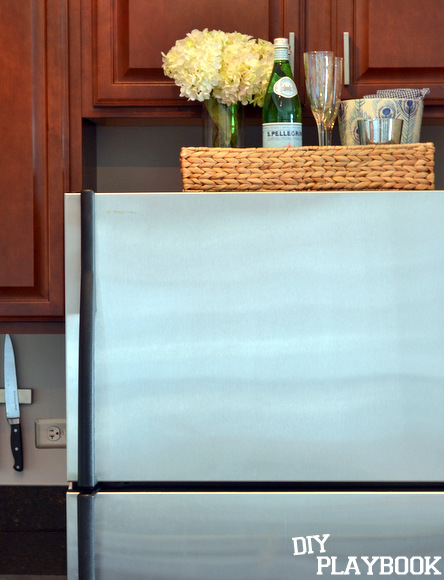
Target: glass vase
{"type": "Point", "coordinates": [223, 125]}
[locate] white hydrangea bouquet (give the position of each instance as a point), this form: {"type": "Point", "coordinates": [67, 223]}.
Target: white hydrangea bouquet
{"type": "Point", "coordinates": [231, 67]}
{"type": "Point", "coordinates": [220, 68]}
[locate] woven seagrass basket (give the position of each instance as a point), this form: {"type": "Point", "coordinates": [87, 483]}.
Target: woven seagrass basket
{"type": "Point", "coordinates": [362, 167]}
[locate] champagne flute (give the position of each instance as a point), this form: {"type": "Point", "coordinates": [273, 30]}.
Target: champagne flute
{"type": "Point", "coordinates": [319, 82]}
{"type": "Point", "coordinates": [337, 88]}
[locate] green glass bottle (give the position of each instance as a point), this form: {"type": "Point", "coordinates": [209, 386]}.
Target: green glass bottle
{"type": "Point", "coordinates": [281, 113]}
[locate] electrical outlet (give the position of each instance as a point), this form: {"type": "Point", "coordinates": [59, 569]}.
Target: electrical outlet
{"type": "Point", "coordinates": [50, 433]}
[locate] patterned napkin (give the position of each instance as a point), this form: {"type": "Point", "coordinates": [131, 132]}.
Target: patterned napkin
{"type": "Point", "coordinates": [400, 94]}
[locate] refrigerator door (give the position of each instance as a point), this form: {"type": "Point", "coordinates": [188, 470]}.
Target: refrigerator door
{"type": "Point", "coordinates": [262, 536]}
{"type": "Point", "coordinates": [265, 336]}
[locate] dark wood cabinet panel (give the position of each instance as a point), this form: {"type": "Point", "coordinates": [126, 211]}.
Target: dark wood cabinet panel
{"type": "Point", "coordinates": [33, 173]}
{"type": "Point", "coordinates": [392, 44]}
{"type": "Point", "coordinates": [396, 44]}
{"type": "Point", "coordinates": [123, 41]}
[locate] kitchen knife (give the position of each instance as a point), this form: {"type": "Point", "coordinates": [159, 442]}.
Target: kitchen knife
{"type": "Point", "coordinates": [12, 404]}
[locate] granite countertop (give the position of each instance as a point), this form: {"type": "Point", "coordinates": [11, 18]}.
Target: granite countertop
{"type": "Point", "coordinates": [21, 577]}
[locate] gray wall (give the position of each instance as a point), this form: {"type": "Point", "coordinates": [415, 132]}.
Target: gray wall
{"type": "Point", "coordinates": [149, 159]}
{"type": "Point", "coordinates": [40, 364]}
{"type": "Point", "coordinates": [128, 159]}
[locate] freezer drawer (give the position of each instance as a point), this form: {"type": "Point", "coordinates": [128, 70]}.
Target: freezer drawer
{"type": "Point", "coordinates": [261, 337]}
{"type": "Point", "coordinates": [262, 536]}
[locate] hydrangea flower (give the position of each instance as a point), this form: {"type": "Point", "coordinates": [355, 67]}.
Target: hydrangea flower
{"type": "Point", "coordinates": [231, 67]}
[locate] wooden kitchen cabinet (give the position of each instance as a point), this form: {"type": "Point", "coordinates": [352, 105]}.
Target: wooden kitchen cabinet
{"type": "Point", "coordinates": [392, 44]}
{"type": "Point", "coordinates": [122, 42]}
{"type": "Point", "coordinates": [395, 44]}
{"type": "Point", "coordinates": [33, 164]}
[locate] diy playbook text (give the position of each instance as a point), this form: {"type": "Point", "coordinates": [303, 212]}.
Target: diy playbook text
{"type": "Point", "coordinates": [367, 565]}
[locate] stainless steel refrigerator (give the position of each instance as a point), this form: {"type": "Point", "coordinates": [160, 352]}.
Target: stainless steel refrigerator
{"type": "Point", "coordinates": [255, 385]}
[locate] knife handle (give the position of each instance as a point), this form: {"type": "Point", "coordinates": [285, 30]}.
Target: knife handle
{"type": "Point", "coordinates": [16, 446]}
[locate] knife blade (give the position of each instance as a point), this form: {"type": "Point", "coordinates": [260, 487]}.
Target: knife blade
{"type": "Point", "coordinates": [12, 404]}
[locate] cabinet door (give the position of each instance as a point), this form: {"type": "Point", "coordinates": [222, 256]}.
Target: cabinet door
{"type": "Point", "coordinates": [32, 177]}
{"type": "Point", "coordinates": [396, 44]}
{"type": "Point", "coordinates": [123, 41]}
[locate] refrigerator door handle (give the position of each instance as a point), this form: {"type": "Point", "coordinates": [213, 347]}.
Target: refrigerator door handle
{"type": "Point", "coordinates": [85, 536]}
{"type": "Point", "coordinates": [86, 455]}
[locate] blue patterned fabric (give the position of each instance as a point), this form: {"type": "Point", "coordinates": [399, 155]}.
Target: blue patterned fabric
{"type": "Point", "coordinates": [399, 94]}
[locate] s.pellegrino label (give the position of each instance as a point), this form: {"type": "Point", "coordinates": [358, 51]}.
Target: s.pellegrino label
{"type": "Point", "coordinates": [281, 134]}
{"type": "Point", "coordinates": [281, 112]}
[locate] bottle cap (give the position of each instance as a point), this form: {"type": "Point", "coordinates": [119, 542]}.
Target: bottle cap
{"type": "Point", "coordinates": [281, 42]}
